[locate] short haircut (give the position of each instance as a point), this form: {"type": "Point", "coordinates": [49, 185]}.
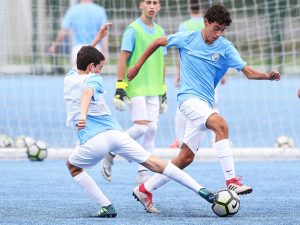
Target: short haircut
{"type": "Point", "coordinates": [219, 14]}
{"type": "Point", "coordinates": [87, 55]}
{"type": "Point", "coordinates": [195, 6]}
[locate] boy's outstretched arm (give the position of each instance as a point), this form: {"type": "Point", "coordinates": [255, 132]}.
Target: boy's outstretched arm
{"type": "Point", "coordinates": [101, 34]}
{"type": "Point", "coordinates": [257, 75]}
{"type": "Point", "coordinates": [133, 71]}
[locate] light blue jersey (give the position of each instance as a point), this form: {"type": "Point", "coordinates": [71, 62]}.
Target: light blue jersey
{"type": "Point", "coordinates": [129, 37]}
{"type": "Point", "coordinates": [99, 117]}
{"type": "Point", "coordinates": [202, 66]}
{"type": "Point", "coordinates": [85, 20]}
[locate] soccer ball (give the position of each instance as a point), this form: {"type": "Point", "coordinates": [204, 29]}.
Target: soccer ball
{"type": "Point", "coordinates": [227, 203]}
{"type": "Point", "coordinates": [6, 141]}
{"type": "Point", "coordinates": [37, 151]}
{"type": "Point", "coordinates": [284, 142]}
{"type": "Point", "coordinates": [23, 141]}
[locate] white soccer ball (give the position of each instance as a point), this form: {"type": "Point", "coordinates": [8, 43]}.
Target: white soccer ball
{"type": "Point", "coordinates": [284, 142]}
{"type": "Point", "coordinates": [37, 151]}
{"type": "Point", "coordinates": [227, 203]}
{"type": "Point", "coordinates": [6, 141]}
{"type": "Point", "coordinates": [23, 141]}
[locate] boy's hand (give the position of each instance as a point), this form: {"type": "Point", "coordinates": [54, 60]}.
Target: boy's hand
{"type": "Point", "coordinates": [81, 123]}
{"type": "Point", "coordinates": [104, 30]}
{"type": "Point", "coordinates": [132, 72]}
{"type": "Point", "coordinates": [101, 34]}
{"type": "Point", "coordinates": [274, 75]}
{"type": "Point", "coordinates": [120, 96]}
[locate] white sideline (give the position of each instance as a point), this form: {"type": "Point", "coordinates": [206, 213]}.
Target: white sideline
{"type": "Point", "coordinates": [208, 154]}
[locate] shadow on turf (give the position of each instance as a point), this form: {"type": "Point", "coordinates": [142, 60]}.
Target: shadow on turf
{"type": "Point", "coordinates": [167, 214]}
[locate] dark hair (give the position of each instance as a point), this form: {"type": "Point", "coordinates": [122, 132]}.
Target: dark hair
{"type": "Point", "coordinates": [87, 55]}
{"type": "Point", "coordinates": [195, 6]}
{"type": "Point", "coordinates": [219, 14]}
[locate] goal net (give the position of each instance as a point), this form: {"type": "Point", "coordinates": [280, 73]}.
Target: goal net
{"type": "Point", "coordinates": [266, 33]}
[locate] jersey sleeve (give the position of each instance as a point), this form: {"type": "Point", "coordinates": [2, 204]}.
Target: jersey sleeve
{"type": "Point", "coordinates": [164, 48]}
{"type": "Point", "coordinates": [128, 40]}
{"type": "Point", "coordinates": [176, 40]}
{"type": "Point", "coordinates": [96, 83]}
{"type": "Point", "coordinates": [234, 59]}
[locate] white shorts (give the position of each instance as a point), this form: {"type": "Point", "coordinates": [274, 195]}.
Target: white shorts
{"type": "Point", "coordinates": [197, 112]}
{"type": "Point", "coordinates": [144, 108]}
{"type": "Point", "coordinates": [180, 124]}
{"type": "Point", "coordinates": [119, 142]}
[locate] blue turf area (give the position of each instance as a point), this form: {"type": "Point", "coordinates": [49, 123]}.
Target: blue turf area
{"type": "Point", "coordinates": [44, 193]}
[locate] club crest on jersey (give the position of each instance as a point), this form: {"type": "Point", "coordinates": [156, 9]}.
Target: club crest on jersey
{"type": "Point", "coordinates": [215, 57]}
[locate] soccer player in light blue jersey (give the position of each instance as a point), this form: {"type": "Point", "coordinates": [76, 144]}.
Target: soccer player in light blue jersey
{"type": "Point", "coordinates": [205, 56]}
{"type": "Point", "coordinates": [194, 23]}
{"type": "Point", "coordinates": [83, 22]}
{"type": "Point", "coordinates": [99, 133]}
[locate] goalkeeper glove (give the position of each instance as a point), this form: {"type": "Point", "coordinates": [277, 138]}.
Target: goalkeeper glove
{"type": "Point", "coordinates": [163, 103]}
{"type": "Point", "coordinates": [120, 96]}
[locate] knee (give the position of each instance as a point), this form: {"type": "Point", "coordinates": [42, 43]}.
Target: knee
{"type": "Point", "coordinates": [187, 160]}
{"type": "Point", "coordinates": [221, 128]}
{"type": "Point", "coordinates": [141, 129]}
{"type": "Point", "coordinates": [73, 169]}
{"type": "Point", "coordinates": [68, 164]}
{"type": "Point", "coordinates": [217, 124]}
{"type": "Point", "coordinates": [183, 160]}
{"type": "Point", "coordinates": [152, 128]}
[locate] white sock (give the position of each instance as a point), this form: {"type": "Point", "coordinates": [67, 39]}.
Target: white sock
{"type": "Point", "coordinates": [137, 130]}
{"type": "Point", "coordinates": [156, 181]}
{"type": "Point", "coordinates": [149, 137]}
{"type": "Point", "coordinates": [226, 158]}
{"type": "Point", "coordinates": [90, 186]}
{"type": "Point", "coordinates": [149, 140]}
{"type": "Point", "coordinates": [181, 177]}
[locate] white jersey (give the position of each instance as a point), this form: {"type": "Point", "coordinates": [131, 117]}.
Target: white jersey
{"type": "Point", "coordinates": [99, 116]}
{"type": "Point", "coordinates": [73, 88]}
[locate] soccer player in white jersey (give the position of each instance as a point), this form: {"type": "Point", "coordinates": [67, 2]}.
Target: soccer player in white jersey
{"type": "Point", "coordinates": [147, 93]}
{"type": "Point", "coordinates": [205, 57]}
{"type": "Point", "coordinates": [100, 133]}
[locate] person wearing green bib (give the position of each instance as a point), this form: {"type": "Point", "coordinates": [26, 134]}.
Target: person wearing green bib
{"type": "Point", "coordinates": [147, 93]}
